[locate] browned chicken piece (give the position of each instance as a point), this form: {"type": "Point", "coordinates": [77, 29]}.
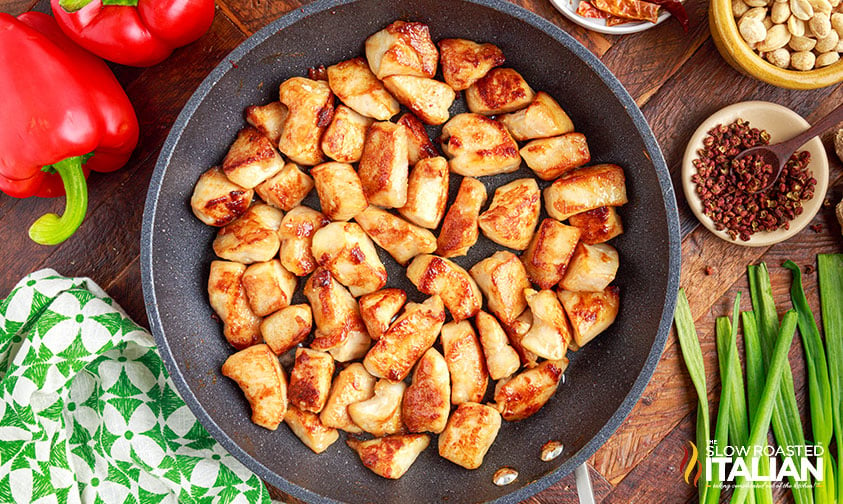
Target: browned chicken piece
{"type": "Point", "coordinates": [402, 49]}
{"type": "Point", "coordinates": [391, 456]}
{"type": "Point", "coordinates": [470, 432]}
{"type": "Point", "coordinates": [401, 239]}
{"type": "Point", "coordinates": [355, 84]}
{"type": "Point", "coordinates": [585, 189]}
{"type": "Point", "coordinates": [296, 232]}
{"type": "Point", "coordinates": [251, 159]}
{"type": "Point", "coordinates": [466, 364]}
{"type": "Point", "coordinates": [412, 333]}
{"type": "Point", "coordinates": [260, 376]}
{"type": "Point", "coordinates": [311, 106]}
{"type": "Point", "coordinates": [287, 327]}
{"type": "Point", "coordinates": [380, 415]}
{"type": "Point", "coordinates": [501, 359]}
{"type": "Point", "coordinates": [344, 138]}
{"type": "Point", "coordinates": [460, 227]}
{"type": "Point", "coordinates": [268, 119]}
{"type": "Point", "coordinates": [269, 287]}
{"type": "Point", "coordinates": [549, 252]}
{"type": "Point", "coordinates": [502, 279]}
{"type": "Point", "coordinates": [436, 275]}
{"type": "Point", "coordinates": [354, 347]}
{"type": "Point", "coordinates": [429, 99]}
{"type": "Point", "coordinates": [527, 392]}
{"type": "Point", "coordinates": [383, 166]}
{"type": "Point", "coordinates": [251, 238]}
{"type": "Point", "coordinates": [464, 61]}
{"type": "Point", "coordinates": [352, 384]}
{"type": "Point", "coordinates": [310, 380]}
{"type": "Point", "coordinates": [349, 254]}
{"type": "Point", "coordinates": [427, 193]}
{"type": "Point", "coordinates": [541, 119]}
{"type": "Point", "coordinates": [479, 146]}
{"type": "Point", "coordinates": [592, 268]}
{"type": "Point", "coordinates": [287, 188]}
{"type": "Point", "coordinates": [217, 201]}
{"type": "Point", "coordinates": [307, 427]}
{"type": "Point", "coordinates": [500, 91]}
{"type": "Point", "coordinates": [550, 333]}
{"type": "Point", "coordinates": [513, 214]}
{"type": "Point", "coordinates": [427, 401]}
{"type": "Point", "coordinates": [516, 332]}
{"type": "Point", "coordinates": [379, 308]}
{"type": "Point", "coordinates": [419, 145]}
{"type": "Point", "coordinates": [335, 311]}
{"type": "Point", "coordinates": [590, 312]}
{"type": "Point", "coordinates": [598, 225]}
{"type": "Point", "coordinates": [241, 327]}
{"type": "Point", "coordinates": [551, 157]}
{"type": "Point", "coordinates": [340, 190]}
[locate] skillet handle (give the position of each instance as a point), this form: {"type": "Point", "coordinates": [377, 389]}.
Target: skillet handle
{"type": "Point", "coordinates": [584, 489]}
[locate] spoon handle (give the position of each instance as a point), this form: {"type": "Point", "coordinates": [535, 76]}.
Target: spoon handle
{"type": "Point", "coordinates": [831, 119]}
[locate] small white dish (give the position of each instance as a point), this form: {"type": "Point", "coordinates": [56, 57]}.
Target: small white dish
{"type": "Point", "coordinates": [568, 8]}
{"type": "Point", "coordinates": [782, 124]}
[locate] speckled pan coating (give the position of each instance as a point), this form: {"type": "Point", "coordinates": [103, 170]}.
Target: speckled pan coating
{"type": "Point", "coordinates": [604, 380]}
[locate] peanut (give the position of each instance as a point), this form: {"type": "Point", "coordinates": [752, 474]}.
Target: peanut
{"type": "Point", "coordinates": [802, 43]}
{"type": "Point", "coordinates": [756, 3]}
{"type": "Point", "coordinates": [802, 9]}
{"type": "Point", "coordinates": [752, 30]}
{"type": "Point", "coordinates": [779, 57]}
{"type": "Point", "coordinates": [820, 25]}
{"type": "Point", "coordinates": [777, 37]}
{"type": "Point", "coordinates": [837, 23]}
{"type": "Point", "coordinates": [803, 60]}
{"type": "Point", "coordinates": [823, 6]}
{"type": "Point", "coordinates": [780, 12]}
{"type": "Point", "coordinates": [827, 58]}
{"type": "Point", "coordinates": [795, 26]}
{"type": "Point", "coordinates": [828, 43]}
{"type": "Point", "coordinates": [758, 13]}
{"type": "Point", "coordinates": [739, 8]}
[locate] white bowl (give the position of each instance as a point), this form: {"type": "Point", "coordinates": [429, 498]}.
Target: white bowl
{"type": "Point", "coordinates": [568, 8]}
{"type": "Point", "coordinates": [782, 124]}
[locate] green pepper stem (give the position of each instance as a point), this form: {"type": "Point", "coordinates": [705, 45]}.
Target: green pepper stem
{"type": "Point", "coordinates": [50, 229]}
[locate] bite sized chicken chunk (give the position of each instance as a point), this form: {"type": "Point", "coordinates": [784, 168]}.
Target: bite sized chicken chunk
{"type": "Point", "coordinates": [380, 415]}
{"type": "Point", "coordinates": [427, 193]}
{"type": "Point", "coordinates": [550, 333]}
{"type": "Point", "coordinates": [311, 106]}
{"type": "Point", "coordinates": [258, 373]}
{"type": "Point", "coordinates": [344, 138]}
{"type": "Point", "coordinates": [268, 286]}
{"type": "Point", "coordinates": [217, 201]}
{"type": "Point", "coordinates": [419, 145]}
{"type": "Point", "coordinates": [401, 239]}
{"type": "Point", "coordinates": [464, 61]}
{"type": "Point", "coordinates": [551, 157]}
{"type": "Point", "coordinates": [391, 456]}
{"type": "Point", "coordinates": [349, 254]}
{"type": "Point", "coordinates": [501, 359]}
{"type": "Point", "coordinates": [470, 432]}
{"type": "Point", "coordinates": [307, 427]}
{"type": "Point", "coordinates": [310, 380]}
{"type": "Point", "coordinates": [502, 279]}
{"type": "Point", "coordinates": [592, 268]}
{"type": "Point", "coordinates": [549, 252]}
{"type": "Point", "coordinates": [383, 166]}
{"type": "Point", "coordinates": [513, 214]}
{"type": "Point", "coordinates": [287, 327]}
{"type": "Point", "coordinates": [406, 340]}
{"type": "Point", "coordinates": [251, 159]}
{"type": "Point", "coordinates": [296, 232]}
{"type": "Point", "coordinates": [478, 146]}
{"type": "Point", "coordinates": [429, 99]}
{"type": "Point", "coordinates": [287, 188]}
{"type": "Point", "coordinates": [340, 190]}
{"type": "Point", "coordinates": [598, 225]}
{"type": "Point", "coordinates": [379, 308]}
{"type": "Point", "coordinates": [516, 332]}
{"type": "Point", "coordinates": [541, 119]}
{"type": "Point", "coordinates": [466, 365]}
{"type": "Point", "coordinates": [251, 238]}
{"type": "Point", "coordinates": [527, 392]}
{"type": "Point", "coordinates": [335, 311]}
{"type": "Point", "coordinates": [268, 119]}
{"type": "Point", "coordinates": [352, 384]}
{"type": "Point", "coordinates": [241, 327]}
{"type": "Point", "coordinates": [354, 347]}
{"type": "Point", "coordinates": [590, 312]}
{"type": "Point", "coordinates": [402, 49]}
{"type": "Point", "coordinates": [460, 227]}
{"type": "Point", "coordinates": [439, 276]}
{"type": "Point", "coordinates": [585, 189]}
{"type": "Point", "coordinates": [355, 84]}
{"type": "Point", "coordinates": [500, 91]}
{"type": "Point", "coordinates": [427, 401]}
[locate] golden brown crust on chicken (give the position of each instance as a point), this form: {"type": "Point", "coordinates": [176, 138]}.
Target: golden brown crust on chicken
{"type": "Point", "coordinates": [380, 415]}
{"type": "Point", "coordinates": [352, 384]}
{"type": "Point", "coordinates": [391, 456]}
{"type": "Point", "coordinates": [307, 427]}
{"type": "Point", "coordinates": [585, 189]}
{"type": "Point", "coordinates": [516, 332]}
{"type": "Point", "coordinates": [402, 49]}
{"type": "Point", "coordinates": [344, 138]}
{"type": "Point", "coordinates": [296, 232]}
{"type": "Point", "coordinates": [253, 237]}
{"type": "Point", "coordinates": [466, 364]}
{"type": "Point", "coordinates": [500, 91]}
{"type": "Point", "coordinates": [241, 327]}
{"type": "Point", "coordinates": [287, 188]}
{"type": "Point", "coordinates": [550, 333]}
{"type": "Point", "coordinates": [340, 190]}
{"type": "Point", "coordinates": [311, 106]}
{"type": "Point", "coordinates": [335, 311]}
{"type": "Point", "coordinates": [479, 146]}
{"type": "Point", "coordinates": [590, 312]}
{"type": "Point", "coordinates": [598, 225]}
{"type": "Point", "coordinates": [258, 373]}
{"type": "Point", "coordinates": [541, 119]}
{"type": "Point", "coordinates": [501, 359]}
{"type": "Point", "coordinates": [401, 239]}
{"type": "Point", "coordinates": [310, 380]}
{"type": "Point", "coordinates": [427, 401]}
{"type": "Point", "coordinates": [460, 227]}
{"type": "Point", "coordinates": [429, 99]}
{"type": "Point", "coordinates": [502, 279]}
{"type": "Point", "coordinates": [419, 145]}
{"type": "Point", "coordinates": [436, 275]}
{"type": "Point", "coordinates": [513, 214]}
{"type": "Point", "coordinates": [383, 166]}
{"type": "Point", "coordinates": [355, 84]}
{"type": "Point", "coordinates": [349, 254]}
{"type": "Point", "coordinates": [592, 268]}
{"type": "Point", "coordinates": [287, 327]}
{"type": "Point", "coordinates": [464, 61]}
{"type": "Point", "coordinates": [427, 193]}
{"type": "Point", "coordinates": [269, 287]}
{"type": "Point", "coordinates": [268, 119]}
{"type": "Point", "coordinates": [527, 392]}
{"type": "Point", "coordinates": [251, 159]}
{"type": "Point", "coordinates": [470, 432]}
{"type": "Point", "coordinates": [217, 201]}
{"type": "Point", "coordinates": [379, 308]}
{"type": "Point", "coordinates": [551, 157]}
{"type": "Point", "coordinates": [549, 252]}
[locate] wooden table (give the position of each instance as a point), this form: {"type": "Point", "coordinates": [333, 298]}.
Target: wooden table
{"type": "Point", "coordinates": [664, 69]}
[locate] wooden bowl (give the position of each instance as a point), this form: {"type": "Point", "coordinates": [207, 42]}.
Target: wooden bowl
{"type": "Point", "coordinates": [724, 31]}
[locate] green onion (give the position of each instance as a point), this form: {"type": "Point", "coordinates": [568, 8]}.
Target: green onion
{"type": "Point", "coordinates": [755, 386]}
{"type": "Point", "coordinates": [830, 268]}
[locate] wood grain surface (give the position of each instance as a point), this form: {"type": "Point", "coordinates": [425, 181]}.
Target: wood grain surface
{"type": "Point", "coordinates": [677, 79]}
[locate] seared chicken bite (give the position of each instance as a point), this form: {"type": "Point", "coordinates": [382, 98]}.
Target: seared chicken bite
{"type": "Point", "coordinates": [419, 145]}
{"type": "Point", "coordinates": [585, 189]}
{"type": "Point", "coordinates": [551, 157]}
{"type": "Point", "coordinates": [379, 308]}
{"type": "Point", "coordinates": [340, 190]}
{"type": "Point", "coordinates": [427, 401]}
{"type": "Point", "coordinates": [217, 201]}
{"type": "Point", "coordinates": [390, 456]}
{"type": "Point", "coordinates": [459, 229]}
{"type": "Point", "coordinates": [464, 61]}
{"type": "Point", "coordinates": [354, 347]}
{"type": "Point", "coordinates": [513, 214]}
{"type": "Point", "coordinates": [427, 193]}
{"type": "Point", "coordinates": [429, 99]}
{"type": "Point", "coordinates": [436, 275]}
{"type": "Point", "coordinates": [516, 332]}
{"type": "Point", "coordinates": [598, 225]}
{"type": "Point", "coordinates": [307, 427]}
{"type": "Point", "coordinates": [268, 119]}
{"type": "Point", "coordinates": [592, 268]}
{"type": "Point", "coordinates": [479, 146]}
{"type": "Point", "coordinates": [241, 327]}
{"type": "Point", "coordinates": [549, 252]}
{"type": "Point", "coordinates": [380, 415]}
{"type": "Point", "coordinates": [355, 84]}
{"type": "Point", "coordinates": [335, 311]}
{"type": "Point", "coordinates": [258, 373]}
{"type": "Point", "coordinates": [590, 312]}
{"type": "Point", "coordinates": [287, 327]}
{"type": "Point", "coordinates": [251, 159]}
{"type": "Point", "coordinates": [465, 361]}
{"type": "Point", "coordinates": [541, 119]}
{"type": "Point", "coordinates": [502, 279]}
{"type": "Point", "coordinates": [296, 232]}
{"type": "Point", "coordinates": [311, 106]}
{"type": "Point", "coordinates": [310, 380]}
{"type": "Point", "coordinates": [349, 254]}
{"type": "Point", "coordinates": [499, 91]}
{"type": "Point", "coordinates": [550, 333]}
{"type": "Point", "coordinates": [343, 140]}
{"type": "Point", "coordinates": [353, 384]}
{"type": "Point", "coordinates": [501, 359]}
{"type": "Point", "coordinates": [287, 188]}
{"type": "Point", "coordinates": [401, 239]}
{"type": "Point", "coordinates": [470, 432]}
{"type": "Point", "coordinates": [526, 393]}
{"type": "Point", "coordinates": [269, 286]}
{"type": "Point", "coordinates": [383, 166]}
{"type": "Point", "coordinates": [251, 238]}
{"type": "Point", "coordinates": [402, 49]}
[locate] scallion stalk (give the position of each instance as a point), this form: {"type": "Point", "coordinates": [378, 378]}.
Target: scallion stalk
{"type": "Point", "coordinates": [755, 386]}
{"type": "Point", "coordinates": [830, 270]}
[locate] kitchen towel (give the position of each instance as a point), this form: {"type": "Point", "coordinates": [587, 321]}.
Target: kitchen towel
{"type": "Point", "coordinates": [88, 412]}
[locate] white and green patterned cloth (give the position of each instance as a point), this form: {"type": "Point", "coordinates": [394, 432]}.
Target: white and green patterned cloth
{"type": "Point", "coordinates": [89, 414]}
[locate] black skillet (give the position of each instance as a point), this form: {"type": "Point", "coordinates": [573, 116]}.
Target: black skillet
{"type": "Point", "coordinates": [604, 379]}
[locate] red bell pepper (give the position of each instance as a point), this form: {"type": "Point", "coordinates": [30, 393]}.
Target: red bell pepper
{"type": "Point", "coordinates": [133, 32]}
{"type": "Point", "coordinates": [61, 108]}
